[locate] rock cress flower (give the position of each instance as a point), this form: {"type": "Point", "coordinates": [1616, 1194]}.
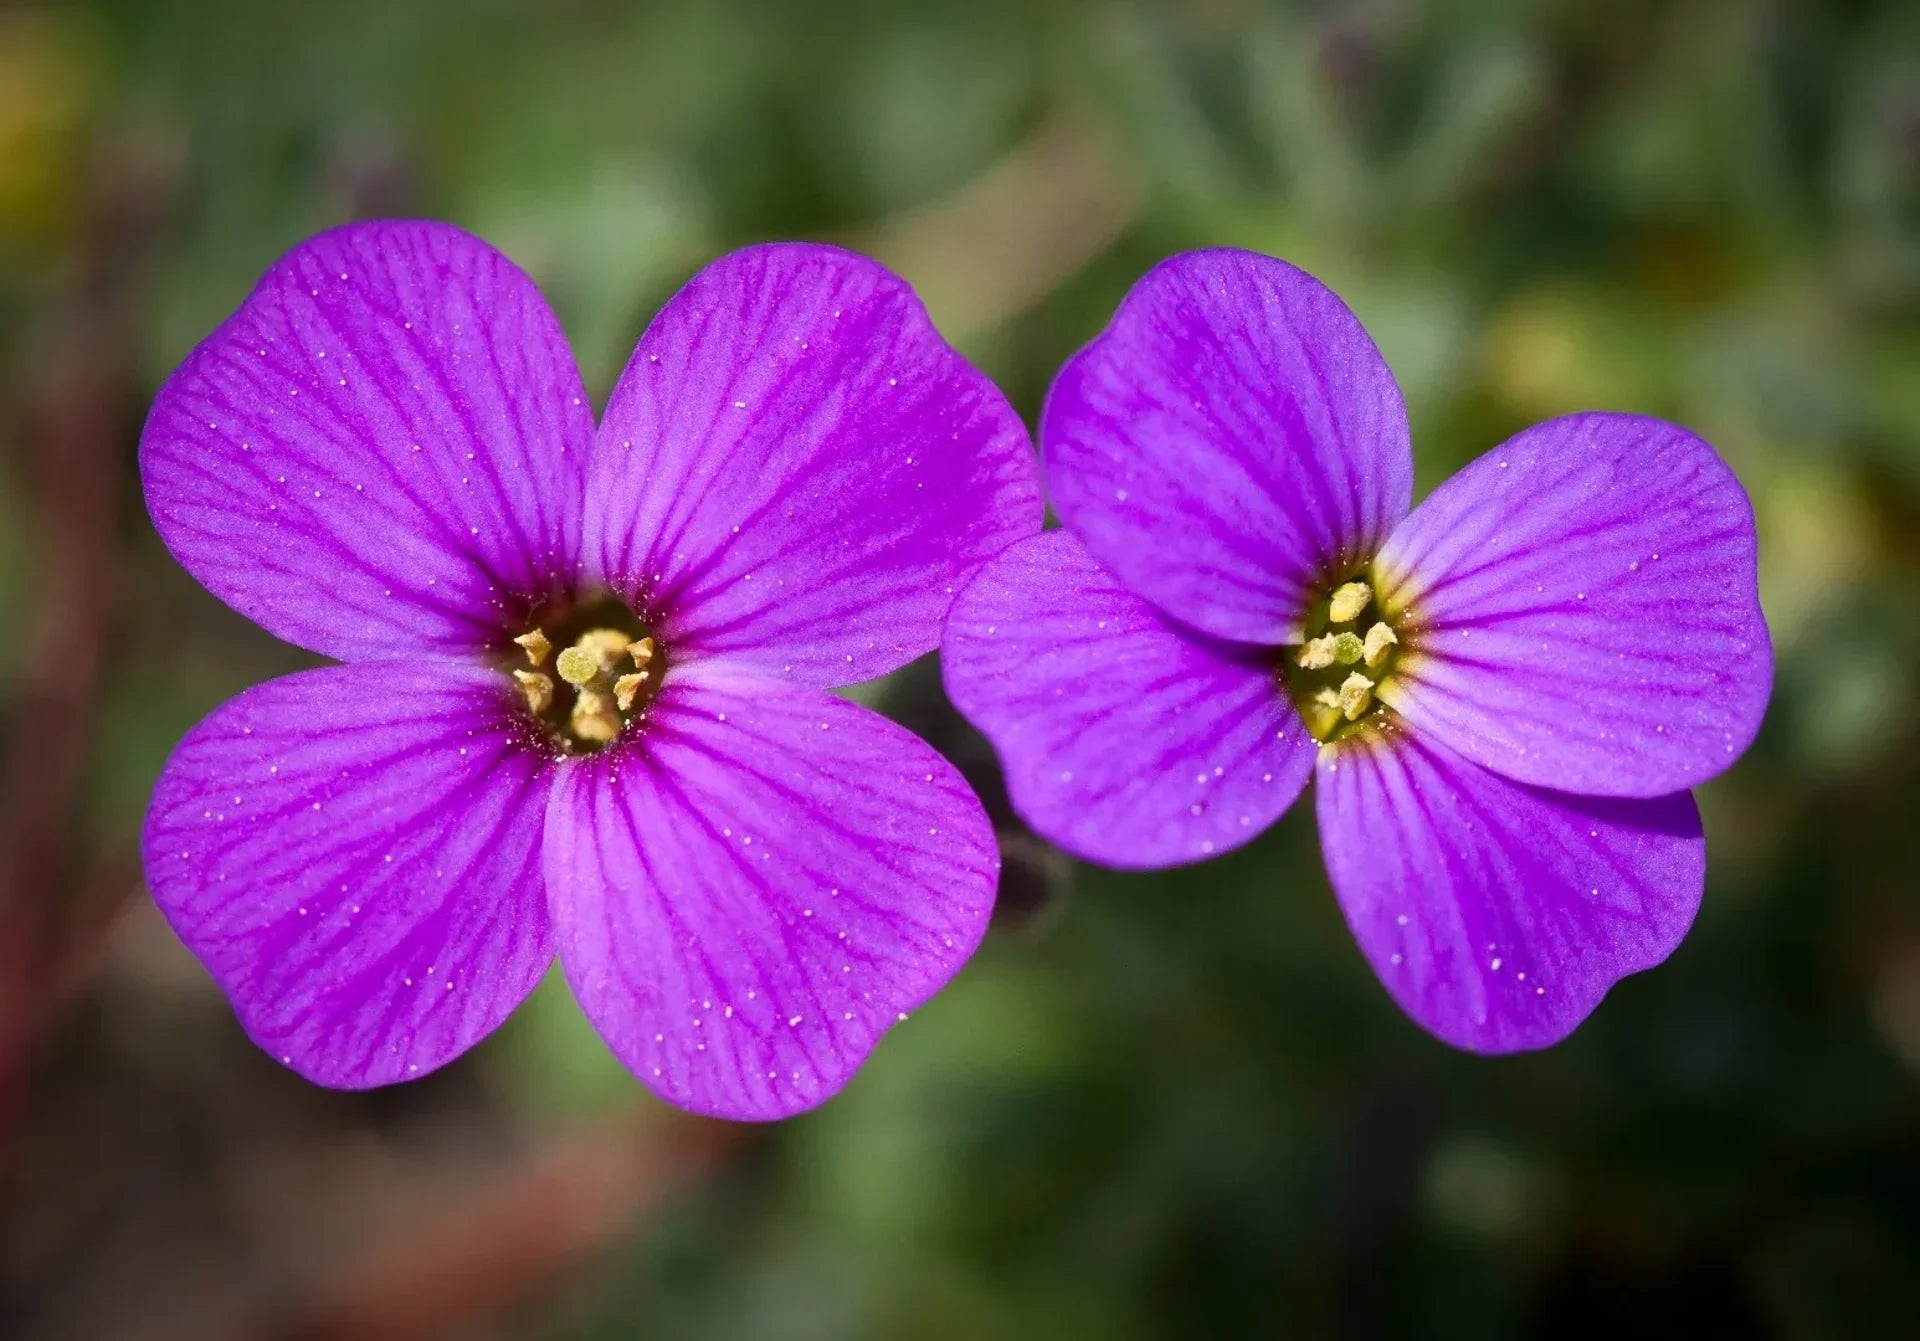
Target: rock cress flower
{"type": "Point", "coordinates": [583, 704]}
{"type": "Point", "coordinates": [1505, 692]}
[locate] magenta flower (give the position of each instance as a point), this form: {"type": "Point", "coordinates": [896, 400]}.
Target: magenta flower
{"type": "Point", "coordinates": [1506, 691]}
{"type": "Point", "coordinates": [584, 702]}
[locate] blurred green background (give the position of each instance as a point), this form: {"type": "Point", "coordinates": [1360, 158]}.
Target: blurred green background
{"type": "Point", "coordinates": [1154, 1106]}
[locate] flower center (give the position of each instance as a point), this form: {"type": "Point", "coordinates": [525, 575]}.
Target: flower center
{"type": "Point", "coordinates": [606, 671]}
{"type": "Point", "coordinates": [1349, 651]}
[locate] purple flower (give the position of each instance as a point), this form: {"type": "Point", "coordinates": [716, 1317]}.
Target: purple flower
{"type": "Point", "coordinates": [1505, 691]}
{"type": "Point", "coordinates": [584, 705]}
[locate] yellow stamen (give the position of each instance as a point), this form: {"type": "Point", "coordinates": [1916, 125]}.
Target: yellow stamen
{"type": "Point", "coordinates": [1348, 602]}
{"type": "Point", "coordinates": [536, 644]}
{"type": "Point", "coordinates": [1379, 639]}
{"type": "Point", "coordinates": [593, 717]}
{"type": "Point", "coordinates": [1326, 698]}
{"type": "Point", "coordinates": [609, 645]}
{"type": "Point", "coordinates": [641, 652]}
{"type": "Point", "coordinates": [1356, 694]}
{"type": "Point", "coordinates": [538, 689]}
{"type": "Point", "coordinates": [1318, 654]}
{"type": "Point", "coordinates": [626, 687]}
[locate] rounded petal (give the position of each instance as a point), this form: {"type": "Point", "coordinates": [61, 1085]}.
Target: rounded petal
{"type": "Point", "coordinates": [1126, 740]}
{"type": "Point", "coordinates": [797, 472]}
{"type": "Point", "coordinates": [382, 452]}
{"type": "Point", "coordinates": [1587, 610]}
{"type": "Point", "coordinates": [1230, 441]}
{"type": "Point", "coordinates": [758, 886]}
{"type": "Point", "coordinates": [1499, 914]}
{"type": "Point", "coordinates": [354, 854]}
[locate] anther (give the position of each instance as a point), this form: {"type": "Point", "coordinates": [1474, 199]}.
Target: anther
{"type": "Point", "coordinates": [1379, 639]}
{"type": "Point", "coordinates": [641, 652]}
{"type": "Point", "coordinates": [1348, 601]}
{"type": "Point", "coordinates": [1356, 695]}
{"type": "Point", "coordinates": [609, 645]}
{"type": "Point", "coordinates": [593, 717]}
{"type": "Point", "coordinates": [536, 644]}
{"type": "Point", "coordinates": [626, 687]}
{"type": "Point", "coordinates": [538, 689]}
{"type": "Point", "coordinates": [1319, 653]}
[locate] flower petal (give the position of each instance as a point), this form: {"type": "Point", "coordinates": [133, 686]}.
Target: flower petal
{"type": "Point", "coordinates": [382, 451]}
{"type": "Point", "coordinates": [759, 886]}
{"type": "Point", "coordinates": [1587, 609]}
{"type": "Point", "coordinates": [795, 470]}
{"type": "Point", "coordinates": [354, 853]}
{"type": "Point", "coordinates": [1499, 914]}
{"type": "Point", "coordinates": [1230, 441]}
{"type": "Point", "coordinates": [1126, 740]}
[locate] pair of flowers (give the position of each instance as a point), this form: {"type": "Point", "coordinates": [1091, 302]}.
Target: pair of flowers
{"type": "Point", "coordinates": [584, 702]}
